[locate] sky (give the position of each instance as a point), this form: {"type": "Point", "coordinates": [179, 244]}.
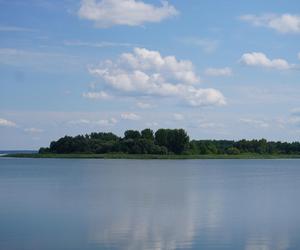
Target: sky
{"type": "Point", "coordinates": [221, 69]}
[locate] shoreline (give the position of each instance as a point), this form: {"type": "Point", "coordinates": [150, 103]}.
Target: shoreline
{"type": "Point", "coordinates": [151, 157]}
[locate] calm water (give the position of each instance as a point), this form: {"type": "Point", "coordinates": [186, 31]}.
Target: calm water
{"type": "Point", "coordinates": [135, 204]}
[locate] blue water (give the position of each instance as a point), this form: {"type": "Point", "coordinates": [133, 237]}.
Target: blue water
{"type": "Point", "coordinates": [135, 204]}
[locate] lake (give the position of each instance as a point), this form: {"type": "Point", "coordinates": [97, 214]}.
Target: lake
{"type": "Point", "coordinates": [149, 204]}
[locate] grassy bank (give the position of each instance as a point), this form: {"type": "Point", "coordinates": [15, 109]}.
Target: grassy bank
{"type": "Point", "coordinates": [148, 156]}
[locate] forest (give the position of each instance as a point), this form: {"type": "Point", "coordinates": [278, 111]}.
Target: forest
{"type": "Point", "coordinates": [163, 142]}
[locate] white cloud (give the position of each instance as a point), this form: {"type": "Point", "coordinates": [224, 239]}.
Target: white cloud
{"type": "Point", "coordinates": [144, 105]}
{"type": "Point", "coordinates": [255, 123]}
{"type": "Point", "coordinates": [130, 116]}
{"type": "Point", "coordinates": [15, 29]}
{"type": "Point", "coordinates": [103, 122]}
{"type": "Point", "coordinates": [299, 55]}
{"type": "Point", "coordinates": [285, 23]}
{"type": "Point", "coordinates": [97, 95]}
{"type": "Point", "coordinates": [102, 44]}
{"type": "Point", "coordinates": [207, 45]}
{"type": "Point", "coordinates": [218, 71]}
{"type": "Point", "coordinates": [107, 13]}
{"type": "Point", "coordinates": [261, 60]}
{"type": "Point", "coordinates": [147, 60]}
{"type": "Point", "coordinates": [7, 123]}
{"type": "Point", "coordinates": [33, 130]}
{"type": "Point", "coordinates": [178, 117]}
{"type": "Point", "coordinates": [148, 73]}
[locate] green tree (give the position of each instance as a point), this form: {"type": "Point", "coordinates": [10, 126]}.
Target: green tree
{"type": "Point", "coordinates": [175, 140]}
{"type": "Point", "coordinates": [132, 134]}
{"type": "Point", "coordinates": [147, 134]}
{"type": "Point", "coordinates": [262, 146]}
{"type": "Point", "coordinates": [165, 141]}
{"type": "Point", "coordinates": [161, 137]}
{"type": "Point", "coordinates": [103, 136]}
{"type": "Point", "coordinates": [178, 140]}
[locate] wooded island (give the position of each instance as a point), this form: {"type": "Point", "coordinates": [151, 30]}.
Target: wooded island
{"type": "Point", "coordinates": [164, 142]}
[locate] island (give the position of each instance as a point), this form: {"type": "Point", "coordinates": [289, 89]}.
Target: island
{"type": "Point", "coordinates": [162, 144]}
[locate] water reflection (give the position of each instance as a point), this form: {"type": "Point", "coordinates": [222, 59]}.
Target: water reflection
{"type": "Point", "coordinates": [99, 204]}
{"type": "Point", "coordinates": [268, 242]}
{"type": "Point", "coordinates": [149, 222]}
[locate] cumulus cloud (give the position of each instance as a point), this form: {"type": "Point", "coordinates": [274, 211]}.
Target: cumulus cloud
{"type": "Point", "coordinates": [218, 71]}
{"type": "Point", "coordinates": [255, 123]}
{"type": "Point", "coordinates": [130, 116]}
{"type": "Point", "coordinates": [285, 23]}
{"type": "Point", "coordinates": [148, 73]}
{"type": "Point", "coordinates": [107, 13]}
{"type": "Point", "coordinates": [261, 60]}
{"type": "Point", "coordinates": [178, 117]}
{"type": "Point", "coordinates": [7, 123]}
{"type": "Point", "coordinates": [102, 95]}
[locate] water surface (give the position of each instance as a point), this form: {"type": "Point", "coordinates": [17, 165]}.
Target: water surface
{"type": "Point", "coordinates": [149, 204]}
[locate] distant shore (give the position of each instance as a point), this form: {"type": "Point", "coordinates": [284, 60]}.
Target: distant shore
{"type": "Point", "coordinates": [151, 156]}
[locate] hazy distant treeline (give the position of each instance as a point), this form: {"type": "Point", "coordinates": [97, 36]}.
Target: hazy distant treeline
{"type": "Point", "coordinates": [163, 141]}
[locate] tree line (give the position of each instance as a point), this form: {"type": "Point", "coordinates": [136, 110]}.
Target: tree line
{"type": "Point", "coordinates": [163, 141]}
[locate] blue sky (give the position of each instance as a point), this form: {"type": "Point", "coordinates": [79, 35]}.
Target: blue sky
{"type": "Point", "coordinates": [220, 69]}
